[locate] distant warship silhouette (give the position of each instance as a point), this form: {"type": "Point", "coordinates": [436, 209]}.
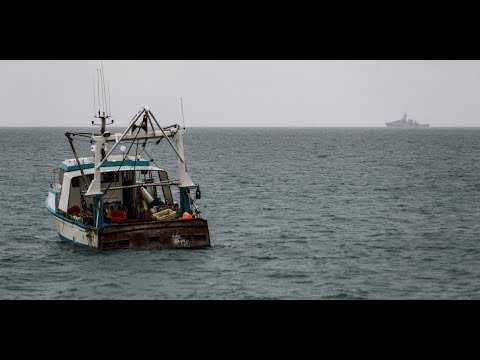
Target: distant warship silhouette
{"type": "Point", "coordinates": [404, 123]}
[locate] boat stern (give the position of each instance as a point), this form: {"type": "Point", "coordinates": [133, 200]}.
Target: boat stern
{"type": "Point", "coordinates": [175, 234]}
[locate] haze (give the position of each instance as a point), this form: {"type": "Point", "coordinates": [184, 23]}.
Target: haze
{"type": "Point", "coordinates": [245, 93]}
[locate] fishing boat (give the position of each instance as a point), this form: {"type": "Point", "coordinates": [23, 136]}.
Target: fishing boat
{"type": "Point", "coordinates": [121, 200]}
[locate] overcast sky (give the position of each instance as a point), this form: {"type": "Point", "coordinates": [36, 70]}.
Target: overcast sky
{"type": "Point", "coordinates": [245, 93]}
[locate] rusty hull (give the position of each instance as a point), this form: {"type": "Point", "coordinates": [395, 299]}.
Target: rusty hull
{"type": "Point", "coordinates": [182, 234]}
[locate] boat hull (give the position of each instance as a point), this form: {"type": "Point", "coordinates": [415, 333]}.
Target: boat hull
{"type": "Point", "coordinates": [72, 233]}
{"type": "Point", "coordinates": [407, 126]}
{"type": "Point", "coordinates": [173, 234]}
{"type": "Point", "coordinates": [157, 235]}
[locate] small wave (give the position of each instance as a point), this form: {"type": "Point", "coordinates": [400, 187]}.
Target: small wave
{"type": "Point", "coordinates": [343, 296]}
{"type": "Point", "coordinates": [265, 258]}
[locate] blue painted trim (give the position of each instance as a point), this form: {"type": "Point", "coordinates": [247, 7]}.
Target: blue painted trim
{"type": "Point", "coordinates": [105, 164]}
{"type": "Point", "coordinates": [110, 224]}
{"type": "Point", "coordinates": [184, 199]}
{"type": "Point", "coordinates": [66, 219]}
{"type": "Point", "coordinates": [68, 241]}
{"type": "Point", "coordinates": [98, 210]}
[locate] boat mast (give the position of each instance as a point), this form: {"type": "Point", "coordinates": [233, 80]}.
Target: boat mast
{"type": "Point", "coordinates": [100, 141]}
{"type": "Point", "coordinates": [104, 101]}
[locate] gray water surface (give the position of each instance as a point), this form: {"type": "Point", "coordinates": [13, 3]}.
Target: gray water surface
{"type": "Point", "coordinates": [371, 213]}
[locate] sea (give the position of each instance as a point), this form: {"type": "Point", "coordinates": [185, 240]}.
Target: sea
{"type": "Point", "coordinates": [293, 214]}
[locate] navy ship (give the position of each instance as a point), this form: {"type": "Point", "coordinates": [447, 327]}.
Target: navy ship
{"type": "Point", "coordinates": [404, 123]}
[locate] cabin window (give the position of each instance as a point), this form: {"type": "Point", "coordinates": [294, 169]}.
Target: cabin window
{"type": "Point", "coordinates": [109, 177]}
{"type": "Point", "coordinates": [75, 182]}
{"type": "Point", "coordinates": [154, 239]}
{"type": "Point", "coordinates": [128, 177]}
{"type": "Point", "coordinates": [144, 176]}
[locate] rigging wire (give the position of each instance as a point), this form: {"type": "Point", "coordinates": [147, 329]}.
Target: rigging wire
{"type": "Point", "coordinates": [151, 159]}
{"type": "Point", "coordinates": [94, 102]}
{"type": "Point", "coordinates": [109, 109]}
{"type": "Point", "coordinates": [116, 172]}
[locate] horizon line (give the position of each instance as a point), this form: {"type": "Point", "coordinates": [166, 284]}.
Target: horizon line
{"type": "Point", "coordinates": [254, 127]}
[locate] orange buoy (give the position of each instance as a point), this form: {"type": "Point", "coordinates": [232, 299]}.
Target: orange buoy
{"type": "Point", "coordinates": [186, 216]}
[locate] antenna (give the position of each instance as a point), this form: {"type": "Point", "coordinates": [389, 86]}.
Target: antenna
{"type": "Point", "coordinates": [98, 94]}
{"type": "Point", "coordinates": [103, 99]}
{"type": "Point", "coordinates": [94, 102]}
{"type": "Point", "coordinates": [101, 91]}
{"type": "Point", "coordinates": [109, 111]}
{"type": "Point", "coordinates": [183, 118]}
{"type": "Point", "coordinates": [104, 92]}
